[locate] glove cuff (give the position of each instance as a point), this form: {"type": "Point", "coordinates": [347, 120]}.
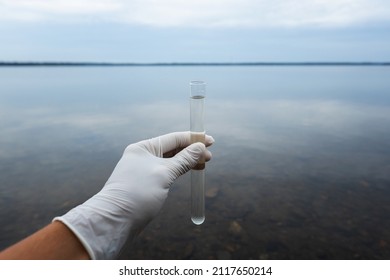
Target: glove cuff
{"type": "Point", "coordinates": [102, 230]}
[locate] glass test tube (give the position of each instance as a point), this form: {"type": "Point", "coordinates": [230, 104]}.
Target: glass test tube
{"type": "Point", "coordinates": [198, 90]}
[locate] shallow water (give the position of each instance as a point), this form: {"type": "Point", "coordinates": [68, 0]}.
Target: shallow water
{"type": "Point", "coordinates": [300, 168]}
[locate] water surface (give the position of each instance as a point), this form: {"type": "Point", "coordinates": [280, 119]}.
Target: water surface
{"type": "Point", "coordinates": [300, 168]}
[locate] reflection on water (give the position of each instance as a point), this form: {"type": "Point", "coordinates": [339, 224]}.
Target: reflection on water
{"type": "Point", "coordinates": [300, 169]}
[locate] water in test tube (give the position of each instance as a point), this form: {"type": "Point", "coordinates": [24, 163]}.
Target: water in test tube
{"type": "Point", "coordinates": [198, 91]}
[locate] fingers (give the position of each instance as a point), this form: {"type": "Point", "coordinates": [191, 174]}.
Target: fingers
{"type": "Point", "coordinates": [172, 143]}
{"type": "Point", "coordinates": [209, 140]}
{"type": "Point", "coordinates": [208, 155]}
{"type": "Point", "coordinates": [188, 158]}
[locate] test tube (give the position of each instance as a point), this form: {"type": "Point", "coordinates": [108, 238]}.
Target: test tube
{"type": "Point", "coordinates": [198, 91]}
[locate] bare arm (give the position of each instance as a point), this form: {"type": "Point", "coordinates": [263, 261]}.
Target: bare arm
{"type": "Point", "coordinates": [55, 241]}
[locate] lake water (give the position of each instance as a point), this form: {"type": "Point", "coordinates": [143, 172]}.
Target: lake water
{"type": "Point", "coordinates": [300, 168]}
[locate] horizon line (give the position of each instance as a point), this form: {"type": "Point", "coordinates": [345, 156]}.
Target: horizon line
{"type": "Point", "coordinates": [255, 63]}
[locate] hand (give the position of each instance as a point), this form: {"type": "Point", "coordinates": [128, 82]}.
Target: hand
{"type": "Point", "coordinates": [134, 193]}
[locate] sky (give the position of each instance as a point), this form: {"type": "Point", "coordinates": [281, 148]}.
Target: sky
{"type": "Point", "coordinates": [195, 30]}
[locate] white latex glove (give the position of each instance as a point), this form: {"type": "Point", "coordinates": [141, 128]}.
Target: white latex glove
{"type": "Point", "coordinates": [134, 193]}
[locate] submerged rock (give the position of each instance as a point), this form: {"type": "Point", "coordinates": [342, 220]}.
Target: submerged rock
{"type": "Point", "coordinates": [235, 228]}
{"type": "Point", "coordinates": [212, 192]}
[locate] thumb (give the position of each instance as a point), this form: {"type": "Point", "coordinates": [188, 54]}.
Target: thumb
{"type": "Point", "coordinates": [188, 158]}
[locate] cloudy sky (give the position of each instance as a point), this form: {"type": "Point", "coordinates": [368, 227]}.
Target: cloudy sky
{"type": "Point", "coordinates": [194, 30]}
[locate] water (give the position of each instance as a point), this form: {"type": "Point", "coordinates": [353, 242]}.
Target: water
{"type": "Point", "coordinates": [197, 196]}
{"type": "Point", "coordinates": [197, 129]}
{"type": "Point", "coordinates": [300, 168]}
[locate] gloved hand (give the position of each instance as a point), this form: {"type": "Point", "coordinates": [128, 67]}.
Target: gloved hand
{"type": "Point", "coordinates": [134, 193]}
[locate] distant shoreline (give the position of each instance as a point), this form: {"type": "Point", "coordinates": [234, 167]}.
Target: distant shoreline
{"type": "Point", "coordinates": [158, 64]}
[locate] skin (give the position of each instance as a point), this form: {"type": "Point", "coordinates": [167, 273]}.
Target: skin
{"type": "Point", "coordinates": [53, 242]}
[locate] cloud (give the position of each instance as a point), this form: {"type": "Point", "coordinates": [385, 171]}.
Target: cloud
{"type": "Point", "coordinates": [201, 13]}
{"type": "Point", "coordinates": [251, 13]}
{"type": "Point", "coordinates": [63, 10]}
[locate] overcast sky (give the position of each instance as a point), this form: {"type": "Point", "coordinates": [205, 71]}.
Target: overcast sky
{"type": "Point", "coordinates": [194, 30]}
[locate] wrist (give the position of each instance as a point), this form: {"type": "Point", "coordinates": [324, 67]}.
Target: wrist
{"type": "Point", "coordinates": [101, 227]}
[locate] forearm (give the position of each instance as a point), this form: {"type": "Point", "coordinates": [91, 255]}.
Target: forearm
{"type": "Point", "coordinates": [55, 241]}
